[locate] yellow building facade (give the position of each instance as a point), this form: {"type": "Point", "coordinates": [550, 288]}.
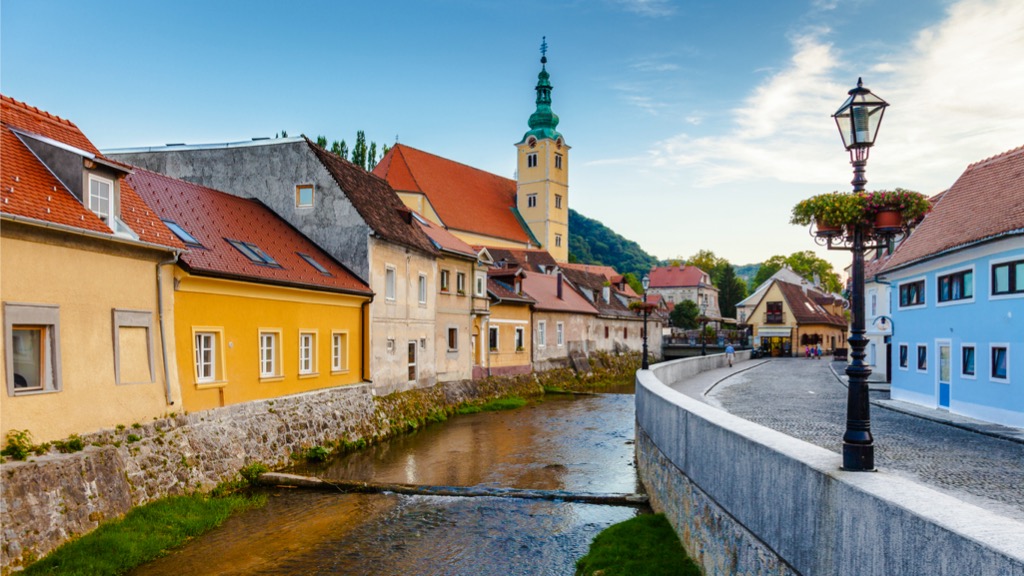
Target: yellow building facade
{"type": "Point", "coordinates": [241, 341]}
{"type": "Point", "coordinates": [509, 339]}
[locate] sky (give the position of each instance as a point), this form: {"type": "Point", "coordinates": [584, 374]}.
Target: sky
{"type": "Point", "coordinates": [692, 125]}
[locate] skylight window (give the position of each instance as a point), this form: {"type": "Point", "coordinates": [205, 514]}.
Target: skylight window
{"type": "Point", "coordinates": [253, 252]}
{"type": "Point", "coordinates": [181, 233]}
{"type": "Point", "coordinates": [312, 262]}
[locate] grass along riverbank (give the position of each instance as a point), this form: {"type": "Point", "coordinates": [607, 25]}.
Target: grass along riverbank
{"type": "Point", "coordinates": [145, 533]}
{"type": "Point", "coordinates": [642, 546]}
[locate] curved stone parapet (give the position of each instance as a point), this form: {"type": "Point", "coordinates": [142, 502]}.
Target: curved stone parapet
{"type": "Point", "coordinates": [745, 499]}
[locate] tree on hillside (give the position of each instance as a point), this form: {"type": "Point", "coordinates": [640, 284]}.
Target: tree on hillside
{"type": "Point", "coordinates": [635, 284]}
{"type": "Point", "coordinates": [804, 263]}
{"type": "Point", "coordinates": [684, 315]}
{"type": "Point", "coordinates": [591, 242]}
{"type": "Point", "coordinates": [705, 260]}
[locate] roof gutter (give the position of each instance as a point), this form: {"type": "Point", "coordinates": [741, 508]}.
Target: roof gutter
{"type": "Point", "coordinates": [89, 233]}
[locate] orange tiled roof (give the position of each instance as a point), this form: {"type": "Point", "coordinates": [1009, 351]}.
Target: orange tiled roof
{"type": "Point", "coordinates": [30, 190]}
{"type": "Point", "coordinates": [986, 202]}
{"type": "Point", "coordinates": [677, 276]}
{"type": "Point", "coordinates": [465, 198]}
{"type": "Point", "coordinates": [212, 217]}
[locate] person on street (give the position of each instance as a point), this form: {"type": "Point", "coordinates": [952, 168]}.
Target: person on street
{"type": "Point", "coordinates": [730, 353]}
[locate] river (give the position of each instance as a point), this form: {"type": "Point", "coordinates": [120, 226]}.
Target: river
{"type": "Point", "coordinates": [574, 443]}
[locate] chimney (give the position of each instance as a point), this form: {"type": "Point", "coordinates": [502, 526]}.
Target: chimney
{"type": "Point", "coordinates": [559, 285]}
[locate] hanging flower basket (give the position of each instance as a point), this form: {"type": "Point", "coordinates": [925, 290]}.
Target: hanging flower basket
{"type": "Point", "coordinates": [888, 221]}
{"type": "Point", "coordinates": [911, 206]}
{"type": "Point", "coordinates": [830, 212]}
{"type": "Point", "coordinates": [825, 229]}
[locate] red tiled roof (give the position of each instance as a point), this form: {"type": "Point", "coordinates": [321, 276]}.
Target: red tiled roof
{"type": "Point", "coordinates": [465, 198]}
{"type": "Point", "coordinates": [544, 289]}
{"type": "Point", "coordinates": [445, 241]}
{"type": "Point", "coordinates": [987, 201]}
{"type": "Point", "coordinates": [677, 276]}
{"type": "Point", "coordinates": [212, 217]}
{"type": "Point", "coordinates": [805, 306]}
{"type": "Point", "coordinates": [505, 292]}
{"type": "Point", "coordinates": [30, 190]}
{"type": "Point", "coordinates": [375, 201]}
{"type": "Point", "coordinates": [528, 259]}
{"type": "Point", "coordinates": [593, 283]}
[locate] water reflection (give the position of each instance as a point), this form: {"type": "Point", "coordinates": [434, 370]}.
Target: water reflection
{"type": "Point", "coordinates": [581, 444]}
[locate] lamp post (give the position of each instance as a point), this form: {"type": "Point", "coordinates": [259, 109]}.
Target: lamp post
{"type": "Point", "coordinates": [647, 284]}
{"type": "Point", "coordinates": [703, 325]}
{"type": "Point", "coordinates": [858, 120]}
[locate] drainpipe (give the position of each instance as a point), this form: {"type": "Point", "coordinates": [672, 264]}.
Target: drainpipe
{"type": "Point", "coordinates": [363, 316]}
{"type": "Point", "coordinates": [160, 319]}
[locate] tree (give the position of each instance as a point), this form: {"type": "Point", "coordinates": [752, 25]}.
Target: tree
{"type": "Point", "coordinates": [635, 284]}
{"type": "Point", "coordinates": [371, 158]}
{"type": "Point", "coordinates": [340, 149]}
{"type": "Point", "coordinates": [384, 149]}
{"type": "Point", "coordinates": [321, 141]}
{"type": "Point", "coordinates": [705, 260]}
{"type": "Point", "coordinates": [684, 315]}
{"type": "Point", "coordinates": [359, 150]}
{"type": "Point", "coordinates": [731, 289]}
{"type": "Point", "coordinates": [805, 264]}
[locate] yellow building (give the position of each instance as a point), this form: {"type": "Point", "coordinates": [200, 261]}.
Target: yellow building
{"type": "Point", "coordinates": [86, 285]}
{"type": "Point", "coordinates": [790, 318]}
{"type": "Point", "coordinates": [509, 328]}
{"type": "Point", "coordinates": [260, 310]}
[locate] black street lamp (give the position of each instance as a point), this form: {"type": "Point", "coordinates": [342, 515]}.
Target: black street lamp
{"type": "Point", "coordinates": [647, 284]}
{"type": "Point", "coordinates": [858, 120]}
{"type": "Point", "coordinates": [703, 326]}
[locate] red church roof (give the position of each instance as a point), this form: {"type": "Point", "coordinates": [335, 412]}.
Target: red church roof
{"type": "Point", "coordinates": [465, 198]}
{"type": "Point", "coordinates": [215, 219]}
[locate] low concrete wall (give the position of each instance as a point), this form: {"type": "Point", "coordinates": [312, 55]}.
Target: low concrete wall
{"type": "Point", "coordinates": [745, 499]}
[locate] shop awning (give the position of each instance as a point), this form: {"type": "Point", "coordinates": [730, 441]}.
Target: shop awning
{"type": "Point", "coordinates": [774, 332]}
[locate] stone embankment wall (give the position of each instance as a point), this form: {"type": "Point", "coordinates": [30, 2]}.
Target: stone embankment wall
{"type": "Point", "coordinates": [745, 499]}
{"type": "Point", "coordinates": [50, 499]}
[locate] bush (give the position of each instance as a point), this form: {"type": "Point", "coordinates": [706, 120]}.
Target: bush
{"type": "Point", "coordinates": [74, 443]}
{"type": "Point", "coordinates": [19, 444]}
{"type": "Point", "coordinates": [251, 473]}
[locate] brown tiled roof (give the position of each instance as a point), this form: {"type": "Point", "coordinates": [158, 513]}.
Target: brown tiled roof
{"type": "Point", "coordinates": [805, 306]}
{"type": "Point", "coordinates": [505, 292]}
{"type": "Point", "coordinates": [544, 289]}
{"type": "Point", "coordinates": [593, 283]}
{"type": "Point", "coordinates": [986, 202]}
{"type": "Point", "coordinates": [465, 198]}
{"type": "Point", "coordinates": [375, 201]}
{"type": "Point", "coordinates": [445, 241]}
{"type": "Point", "coordinates": [608, 272]}
{"type": "Point", "coordinates": [30, 190]}
{"type": "Point", "coordinates": [213, 217]}
{"type": "Point", "coordinates": [528, 259]}
{"type": "Point", "coordinates": [676, 276]}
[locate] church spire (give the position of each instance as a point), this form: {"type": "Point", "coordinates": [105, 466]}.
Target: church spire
{"type": "Point", "coordinates": [543, 121]}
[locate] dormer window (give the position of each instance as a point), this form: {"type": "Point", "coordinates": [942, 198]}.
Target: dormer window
{"type": "Point", "coordinates": [101, 197]}
{"type": "Point", "coordinates": [181, 233]}
{"type": "Point", "coordinates": [253, 253]}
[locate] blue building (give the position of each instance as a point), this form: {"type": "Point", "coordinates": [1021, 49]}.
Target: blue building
{"type": "Point", "coordinates": [957, 298]}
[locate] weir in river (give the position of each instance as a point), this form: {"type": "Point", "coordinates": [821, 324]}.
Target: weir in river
{"type": "Point", "coordinates": [577, 445]}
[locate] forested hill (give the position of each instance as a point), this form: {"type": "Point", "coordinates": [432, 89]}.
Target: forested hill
{"type": "Point", "coordinates": [591, 242]}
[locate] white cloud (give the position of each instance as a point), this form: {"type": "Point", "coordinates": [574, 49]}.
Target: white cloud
{"type": "Point", "coordinates": [655, 8]}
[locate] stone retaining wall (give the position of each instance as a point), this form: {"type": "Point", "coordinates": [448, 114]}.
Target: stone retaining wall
{"type": "Point", "coordinates": [53, 498]}
{"type": "Point", "coordinates": [745, 499]}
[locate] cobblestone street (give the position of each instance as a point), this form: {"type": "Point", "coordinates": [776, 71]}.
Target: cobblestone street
{"type": "Point", "coordinates": [804, 399]}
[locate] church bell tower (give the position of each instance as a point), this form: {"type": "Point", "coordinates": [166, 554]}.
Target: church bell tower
{"type": "Point", "coordinates": [542, 177]}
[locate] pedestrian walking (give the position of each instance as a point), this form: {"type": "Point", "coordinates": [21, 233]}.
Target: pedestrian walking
{"type": "Point", "coordinates": [730, 353]}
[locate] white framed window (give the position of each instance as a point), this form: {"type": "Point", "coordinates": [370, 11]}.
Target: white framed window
{"type": "Point", "coordinates": [558, 240]}
{"type": "Point", "coordinates": [390, 290]}
{"type": "Point", "coordinates": [206, 357]}
{"type": "Point", "coordinates": [558, 161]}
{"type": "Point", "coordinates": [912, 293]}
{"type": "Point", "coordinates": [445, 281]}
{"type": "Point", "coordinates": [1007, 278]}
{"type": "Point", "coordinates": [303, 195]}
{"type": "Point", "coordinates": [101, 197]}
{"type": "Point", "coordinates": [270, 353]}
{"type": "Point", "coordinates": [531, 200]}
{"type": "Point", "coordinates": [955, 288]}
{"type": "Point", "coordinates": [904, 356]}
{"type": "Point", "coordinates": [968, 361]}
{"type": "Point", "coordinates": [922, 357]}
{"type": "Point", "coordinates": [423, 290]}
{"type": "Point", "coordinates": [339, 351]}
{"type": "Point", "coordinates": [307, 353]}
{"type": "Point", "coordinates": [542, 327]}
{"type": "Point", "coordinates": [453, 339]}
{"type": "Point", "coordinates": [531, 160]}
{"type": "Point", "coordinates": [32, 348]}
{"type": "Point", "coordinates": [492, 338]}
{"type": "Point", "coordinates": [560, 334]}
{"type": "Point", "coordinates": [999, 357]}
{"type": "Point", "coordinates": [520, 339]}
{"type": "Point", "coordinates": [460, 282]}
{"type": "Point", "coordinates": [412, 360]}
{"type": "Point", "coordinates": [481, 284]}
{"type": "Point", "coordinates": [558, 201]}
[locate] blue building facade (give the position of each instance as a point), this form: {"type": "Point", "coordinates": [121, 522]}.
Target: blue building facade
{"type": "Point", "coordinates": [957, 298]}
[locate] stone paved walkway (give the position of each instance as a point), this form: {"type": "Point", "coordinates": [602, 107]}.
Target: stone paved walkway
{"type": "Point", "coordinates": [804, 399]}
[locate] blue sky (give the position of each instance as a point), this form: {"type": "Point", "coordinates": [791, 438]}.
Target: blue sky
{"type": "Point", "coordinates": [693, 125]}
